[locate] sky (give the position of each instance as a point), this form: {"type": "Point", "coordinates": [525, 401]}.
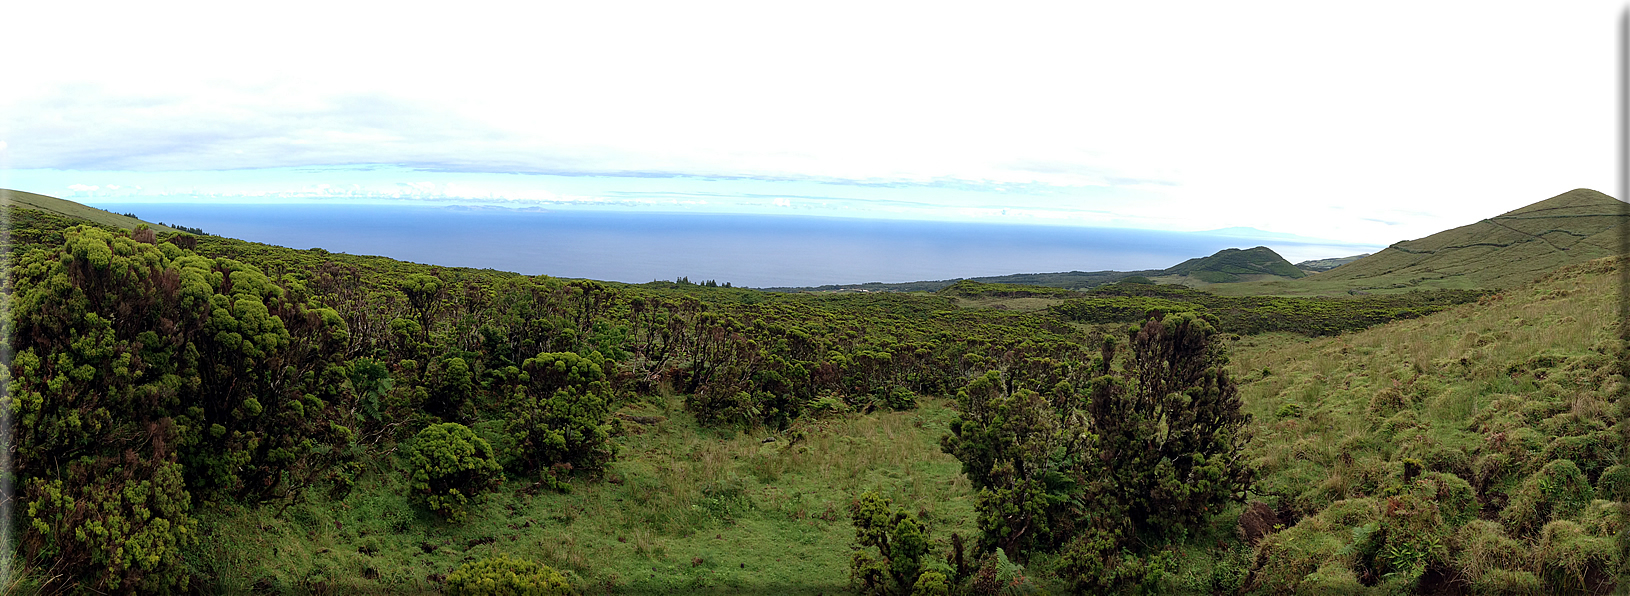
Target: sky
{"type": "Point", "coordinates": [1362, 123]}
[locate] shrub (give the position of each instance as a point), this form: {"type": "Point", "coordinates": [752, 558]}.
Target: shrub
{"type": "Point", "coordinates": [112, 333]}
{"type": "Point", "coordinates": [503, 576]}
{"type": "Point", "coordinates": [1288, 411]}
{"type": "Point", "coordinates": [900, 399]}
{"type": "Point", "coordinates": [827, 405]}
{"type": "Point", "coordinates": [1096, 563]}
{"type": "Point", "coordinates": [449, 384]}
{"type": "Point", "coordinates": [449, 465]}
{"type": "Point", "coordinates": [115, 525]}
{"type": "Point", "coordinates": [147, 378]}
{"type": "Point", "coordinates": [561, 415]}
{"type": "Point", "coordinates": [716, 406]}
{"type": "Point", "coordinates": [1017, 451]}
{"type": "Point", "coordinates": [900, 541]}
{"type": "Point", "coordinates": [931, 583]}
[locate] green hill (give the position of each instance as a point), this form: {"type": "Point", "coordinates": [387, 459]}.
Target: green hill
{"type": "Point", "coordinates": [1502, 251]}
{"type": "Point", "coordinates": [1322, 265]}
{"type": "Point", "coordinates": [1234, 265]}
{"type": "Point", "coordinates": [72, 209]}
{"type": "Point", "coordinates": [1230, 265]}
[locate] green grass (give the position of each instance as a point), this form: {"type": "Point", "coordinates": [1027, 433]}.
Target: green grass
{"type": "Point", "coordinates": [688, 509]}
{"type": "Point", "coordinates": [1498, 252]}
{"type": "Point", "coordinates": [72, 209]}
{"type": "Point", "coordinates": [684, 510]}
{"type": "Point", "coordinates": [1463, 379]}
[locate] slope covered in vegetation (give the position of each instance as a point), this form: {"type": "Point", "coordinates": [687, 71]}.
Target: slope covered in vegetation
{"type": "Point", "coordinates": [235, 417]}
{"type": "Point", "coordinates": [1508, 249]}
{"type": "Point", "coordinates": [58, 206]}
{"type": "Point", "coordinates": [1478, 450]}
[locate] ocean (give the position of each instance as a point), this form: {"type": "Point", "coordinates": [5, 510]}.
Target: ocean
{"type": "Point", "coordinates": [745, 250]}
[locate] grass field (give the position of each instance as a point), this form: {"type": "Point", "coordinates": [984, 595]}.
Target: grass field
{"type": "Point", "coordinates": [685, 510]}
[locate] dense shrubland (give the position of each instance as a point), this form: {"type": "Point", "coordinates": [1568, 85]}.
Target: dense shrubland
{"type": "Point", "coordinates": [384, 425]}
{"type": "Point", "coordinates": [257, 374]}
{"type": "Point", "coordinates": [1316, 316]}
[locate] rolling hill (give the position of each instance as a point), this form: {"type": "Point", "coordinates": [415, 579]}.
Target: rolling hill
{"type": "Point", "coordinates": [72, 209]}
{"type": "Point", "coordinates": [1233, 265]}
{"type": "Point", "coordinates": [1322, 265]}
{"type": "Point", "coordinates": [1506, 250]}
{"type": "Point", "coordinates": [1501, 251]}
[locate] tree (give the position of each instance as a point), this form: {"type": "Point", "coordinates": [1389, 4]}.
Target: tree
{"type": "Point", "coordinates": [1023, 452]}
{"type": "Point", "coordinates": [424, 294]}
{"type": "Point", "coordinates": [1169, 433]}
{"type": "Point", "coordinates": [1107, 474]}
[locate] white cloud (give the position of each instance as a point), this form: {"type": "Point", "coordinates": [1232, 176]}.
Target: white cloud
{"type": "Point", "coordinates": [1276, 115]}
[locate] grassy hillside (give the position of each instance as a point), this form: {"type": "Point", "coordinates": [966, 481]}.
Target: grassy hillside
{"type": "Point", "coordinates": [1493, 394]}
{"type": "Point", "coordinates": [1321, 265]}
{"type": "Point", "coordinates": [72, 209]}
{"type": "Point", "coordinates": [1501, 251]}
{"type": "Point", "coordinates": [1512, 248]}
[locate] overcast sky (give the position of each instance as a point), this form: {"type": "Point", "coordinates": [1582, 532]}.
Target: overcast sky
{"type": "Point", "coordinates": [1362, 122]}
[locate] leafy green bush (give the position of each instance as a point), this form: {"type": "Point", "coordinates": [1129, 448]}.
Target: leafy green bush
{"type": "Point", "coordinates": [560, 417]}
{"type": "Point", "coordinates": [902, 546]}
{"type": "Point", "coordinates": [244, 370]}
{"type": "Point", "coordinates": [503, 576]}
{"type": "Point", "coordinates": [112, 525]}
{"type": "Point", "coordinates": [449, 466]}
{"type": "Point", "coordinates": [147, 378]}
{"type": "Point", "coordinates": [1019, 452]}
{"type": "Point", "coordinates": [714, 406]}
